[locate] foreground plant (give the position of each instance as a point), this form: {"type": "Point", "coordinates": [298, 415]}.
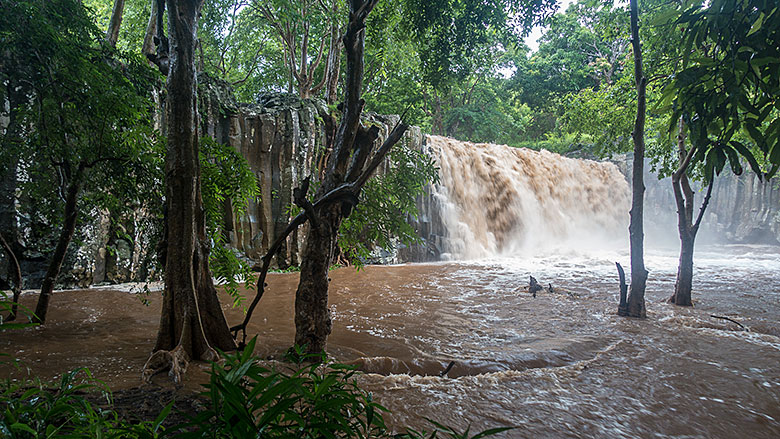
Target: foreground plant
{"type": "Point", "coordinates": [310, 398]}
{"type": "Point", "coordinates": [35, 409]}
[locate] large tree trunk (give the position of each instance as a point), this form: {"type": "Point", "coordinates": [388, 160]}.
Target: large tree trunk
{"type": "Point", "coordinates": [66, 235]}
{"type": "Point", "coordinates": [112, 34]}
{"type": "Point", "coordinates": [312, 316]}
{"type": "Point", "coordinates": [636, 296]}
{"type": "Point", "coordinates": [192, 323]}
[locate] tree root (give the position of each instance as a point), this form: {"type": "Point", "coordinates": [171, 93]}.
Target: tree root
{"type": "Point", "coordinates": [174, 362]}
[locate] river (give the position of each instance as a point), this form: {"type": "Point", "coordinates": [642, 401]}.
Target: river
{"type": "Point", "coordinates": [558, 365]}
{"type": "Point", "coordinates": [562, 364]}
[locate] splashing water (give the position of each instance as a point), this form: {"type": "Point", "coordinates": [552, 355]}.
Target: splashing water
{"type": "Point", "coordinates": [498, 200]}
{"type": "Point", "coordinates": [559, 365]}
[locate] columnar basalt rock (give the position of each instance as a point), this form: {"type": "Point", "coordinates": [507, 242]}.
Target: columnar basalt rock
{"type": "Point", "coordinates": [283, 138]}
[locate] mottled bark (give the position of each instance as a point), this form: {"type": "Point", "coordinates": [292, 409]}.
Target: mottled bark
{"type": "Point", "coordinates": [66, 236]}
{"type": "Point", "coordinates": [148, 47]}
{"type": "Point", "coordinates": [112, 34]}
{"type": "Point", "coordinates": [156, 44]}
{"type": "Point", "coordinates": [192, 323]}
{"type": "Point", "coordinates": [636, 296]}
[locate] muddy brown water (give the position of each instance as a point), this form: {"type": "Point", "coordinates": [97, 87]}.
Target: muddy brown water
{"type": "Point", "coordinates": [559, 365]}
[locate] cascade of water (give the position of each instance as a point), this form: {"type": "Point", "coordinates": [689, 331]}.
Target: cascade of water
{"type": "Point", "coordinates": [495, 200]}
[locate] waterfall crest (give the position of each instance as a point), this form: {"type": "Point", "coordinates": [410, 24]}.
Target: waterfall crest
{"type": "Point", "coordinates": [495, 200]}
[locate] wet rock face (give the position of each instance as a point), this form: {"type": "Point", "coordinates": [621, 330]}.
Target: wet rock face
{"type": "Point", "coordinates": [284, 140]}
{"type": "Point", "coordinates": [742, 210]}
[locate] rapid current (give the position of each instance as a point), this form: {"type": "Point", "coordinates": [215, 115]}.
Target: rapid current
{"type": "Point", "coordinates": [560, 365]}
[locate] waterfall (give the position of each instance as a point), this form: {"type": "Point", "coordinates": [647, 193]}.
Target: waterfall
{"type": "Point", "coordinates": [496, 200]}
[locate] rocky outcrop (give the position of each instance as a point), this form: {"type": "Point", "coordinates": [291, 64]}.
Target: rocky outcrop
{"type": "Point", "coordinates": [284, 140]}
{"type": "Point", "coordinates": [742, 210]}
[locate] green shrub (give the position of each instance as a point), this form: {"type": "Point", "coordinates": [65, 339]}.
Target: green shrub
{"type": "Point", "coordinates": [34, 409]}
{"type": "Point", "coordinates": [312, 399]}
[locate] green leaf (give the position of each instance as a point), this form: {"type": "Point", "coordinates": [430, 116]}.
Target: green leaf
{"type": "Point", "coordinates": [17, 426]}
{"type": "Point", "coordinates": [757, 24]}
{"type": "Point", "coordinates": [748, 155]}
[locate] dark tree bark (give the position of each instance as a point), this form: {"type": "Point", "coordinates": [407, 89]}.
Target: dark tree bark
{"type": "Point", "coordinates": [66, 236]}
{"type": "Point", "coordinates": [192, 323]}
{"type": "Point", "coordinates": [112, 34]}
{"type": "Point", "coordinates": [636, 296]}
{"type": "Point", "coordinates": [312, 316]}
{"type": "Point", "coordinates": [352, 161]}
{"type": "Point", "coordinates": [17, 273]}
{"type": "Point", "coordinates": [687, 226]}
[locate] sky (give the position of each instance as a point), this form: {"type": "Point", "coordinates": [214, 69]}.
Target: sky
{"type": "Point", "coordinates": [532, 40]}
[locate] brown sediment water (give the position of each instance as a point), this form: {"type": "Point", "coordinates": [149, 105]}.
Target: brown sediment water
{"type": "Point", "coordinates": [495, 199]}
{"type": "Point", "coordinates": [556, 366]}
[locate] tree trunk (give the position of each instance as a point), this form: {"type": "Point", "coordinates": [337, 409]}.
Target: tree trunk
{"type": "Point", "coordinates": [112, 35]}
{"type": "Point", "coordinates": [687, 227]}
{"type": "Point", "coordinates": [684, 283]}
{"type": "Point", "coordinates": [66, 235]}
{"type": "Point", "coordinates": [191, 322]}
{"type": "Point", "coordinates": [333, 65]}
{"type": "Point", "coordinates": [348, 164]}
{"type": "Point", "coordinates": [636, 296]}
{"type": "Point", "coordinates": [17, 272]}
{"type": "Point", "coordinates": [312, 316]}
{"type": "Point", "coordinates": [148, 47]}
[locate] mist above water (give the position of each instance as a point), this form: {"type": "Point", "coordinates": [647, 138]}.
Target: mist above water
{"type": "Point", "coordinates": [558, 365]}
{"type": "Point", "coordinates": [500, 201]}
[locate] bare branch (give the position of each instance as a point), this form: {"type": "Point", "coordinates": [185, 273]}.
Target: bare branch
{"type": "Point", "coordinates": [389, 142]}
{"type": "Point", "coordinates": [704, 204]}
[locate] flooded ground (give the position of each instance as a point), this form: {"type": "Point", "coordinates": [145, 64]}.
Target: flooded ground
{"type": "Point", "coordinates": [558, 365]}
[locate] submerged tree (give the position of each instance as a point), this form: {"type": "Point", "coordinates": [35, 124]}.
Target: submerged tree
{"type": "Point", "coordinates": [635, 305]}
{"type": "Point", "coordinates": [725, 97]}
{"type": "Point", "coordinates": [82, 119]}
{"type": "Point", "coordinates": [192, 324]}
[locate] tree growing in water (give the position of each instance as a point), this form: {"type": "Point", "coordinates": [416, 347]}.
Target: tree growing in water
{"type": "Point", "coordinates": [80, 120]}
{"type": "Point", "coordinates": [725, 97]}
{"type": "Point", "coordinates": [192, 324]}
{"type": "Point", "coordinates": [635, 306]}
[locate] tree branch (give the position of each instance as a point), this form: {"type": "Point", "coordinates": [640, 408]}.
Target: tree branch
{"type": "Point", "coordinates": [704, 204]}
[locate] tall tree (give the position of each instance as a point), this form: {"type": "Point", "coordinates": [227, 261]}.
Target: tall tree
{"type": "Point", "coordinates": [725, 97]}
{"type": "Point", "coordinates": [635, 306]}
{"type": "Point", "coordinates": [687, 225]}
{"type": "Point", "coordinates": [307, 29]}
{"type": "Point", "coordinates": [88, 118]}
{"type": "Point", "coordinates": [192, 324]}
{"type": "Point", "coordinates": [112, 34]}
